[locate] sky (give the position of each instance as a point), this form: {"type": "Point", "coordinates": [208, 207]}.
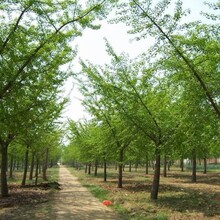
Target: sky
{"type": "Point", "coordinates": [91, 47]}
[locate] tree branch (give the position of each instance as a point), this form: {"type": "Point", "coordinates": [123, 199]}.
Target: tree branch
{"type": "Point", "coordinates": [185, 59]}
{"type": "Point", "coordinates": [9, 84]}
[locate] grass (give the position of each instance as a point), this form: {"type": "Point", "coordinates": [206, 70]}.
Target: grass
{"type": "Point", "coordinates": [179, 198]}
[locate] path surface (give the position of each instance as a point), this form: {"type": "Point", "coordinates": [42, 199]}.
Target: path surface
{"type": "Point", "coordinates": [74, 201]}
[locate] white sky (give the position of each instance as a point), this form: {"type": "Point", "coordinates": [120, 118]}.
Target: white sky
{"type": "Point", "coordinates": [91, 46]}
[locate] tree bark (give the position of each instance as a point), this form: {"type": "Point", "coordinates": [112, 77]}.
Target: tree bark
{"type": "Point", "coordinates": [205, 165]}
{"type": "Point", "coordinates": [25, 167]}
{"type": "Point", "coordinates": [96, 168]}
{"type": "Point", "coordinates": [105, 171]}
{"type": "Point", "coordinates": [32, 167]}
{"type": "Point", "coordinates": [130, 166]}
{"type": "Point", "coordinates": [165, 166]}
{"type": "Point", "coordinates": [4, 161]}
{"type": "Point", "coordinates": [194, 166]}
{"type": "Point", "coordinates": [86, 168]}
{"type": "Point", "coordinates": [156, 180]}
{"type": "Point", "coordinates": [146, 165]}
{"type": "Point", "coordinates": [89, 168]}
{"type": "Point", "coordinates": [120, 168]}
{"type": "Point", "coordinates": [182, 164]}
{"type": "Point", "coordinates": [11, 166]}
{"type": "Point", "coordinates": [44, 170]}
{"type": "Point", "coordinates": [36, 171]}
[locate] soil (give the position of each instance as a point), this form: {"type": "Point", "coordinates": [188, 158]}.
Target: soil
{"type": "Point", "coordinates": [72, 201]}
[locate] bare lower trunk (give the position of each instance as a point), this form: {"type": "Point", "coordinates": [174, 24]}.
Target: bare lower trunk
{"type": "Point", "coordinates": [44, 170]}
{"type": "Point", "coordinates": [165, 166]}
{"type": "Point", "coordinates": [86, 168]}
{"type": "Point", "coordinates": [194, 166]}
{"type": "Point", "coordinates": [130, 166]}
{"type": "Point", "coordinates": [120, 168]}
{"type": "Point", "coordinates": [25, 167]}
{"type": "Point", "coordinates": [156, 180]}
{"type": "Point", "coordinates": [96, 168]}
{"type": "Point", "coordinates": [146, 165]}
{"type": "Point", "coordinates": [4, 160]}
{"type": "Point", "coordinates": [11, 165]}
{"type": "Point", "coordinates": [105, 171]}
{"type": "Point", "coordinates": [36, 171]}
{"type": "Point", "coordinates": [205, 165]}
{"type": "Point", "coordinates": [89, 168]}
{"type": "Point", "coordinates": [32, 167]}
{"type": "Point", "coordinates": [182, 164]}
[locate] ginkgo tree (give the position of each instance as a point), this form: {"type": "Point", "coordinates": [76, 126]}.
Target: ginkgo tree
{"type": "Point", "coordinates": [137, 96]}
{"type": "Point", "coordinates": [35, 42]}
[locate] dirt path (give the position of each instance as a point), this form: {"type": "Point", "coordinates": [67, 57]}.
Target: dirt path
{"type": "Point", "coordinates": [74, 201]}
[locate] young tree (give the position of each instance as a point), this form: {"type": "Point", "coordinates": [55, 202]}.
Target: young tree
{"type": "Point", "coordinates": [34, 45]}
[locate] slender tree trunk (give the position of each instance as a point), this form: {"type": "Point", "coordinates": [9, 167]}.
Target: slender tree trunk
{"type": "Point", "coordinates": [32, 167]}
{"type": "Point", "coordinates": [105, 171]}
{"type": "Point", "coordinates": [130, 166]}
{"type": "Point", "coordinates": [205, 165]}
{"type": "Point", "coordinates": [96, 168]}
{"type": "Point", "coordinates": [169, 165]}
{"type": "Point", "coordinates": [36, 171]}
{"type": "Point", "coordinates": [11, 166]}
{"type": "Point", "coordinates": [89, 168]}
{"type": "Point", "coordinates": [120, 168]}
{"type": "Point", "coordinates": [194, 166]}
{"type": "Point", "coordinates": [182, 164]}
{"type": "Point", "coordinates": [25, 167]}
{"type": "Point", "coordinates": [165, 166]}
{"type": "Point", "coordinates": [86, 168]}
{"type": "Point", "coordinates": [4, 161]}
{"type": "Point", "coordinates": [44, 170]}
{"type": "Point", "coordinates": [153, 165]}
{"type": "Point", "coordinates": [156, 180]}
{"type": "Point", "coordinates": [146, 164]}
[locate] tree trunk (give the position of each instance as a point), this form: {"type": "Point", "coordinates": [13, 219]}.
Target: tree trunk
{"type": "Point", "coordinates": [156, 180]}
{"type": "Point", "coordinates": [89, 168]}
{"type": "Point", "coordinates": [4, 161]}
{"type": "Point", "coordinates": [169, 165]}
{"type": "Point", "coordinates": [32, 167]}
{"type": "Point", "coordinates": [44, 170]}
{"type": "Point", "coordinates": [165, 166]}
{"type": "Point", "coordinates": [194, 166]}
{"type": "Point", "coordinates": [146, 165]}
{"type": "Point", "coordinates": [36, 171]}
{"type": "Point", "coordinates": [105, 171]}
{"type": "Point", "coordinates": [25, 167]}
{"type": "Point", "coordinates": [120, 168]}
{"type": "Point", "coordinates": [96, 168]}
{"type": "Point", "coordinates": [182, 164]}
{"type": "Point", "coordinates": [130, 166]}
{"type": "Point", "coordinates": [205, 165]}
{"type": "Point", "coordinates": [86, 168]}
{"type": "Point", "coordinates": [11, 166]}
